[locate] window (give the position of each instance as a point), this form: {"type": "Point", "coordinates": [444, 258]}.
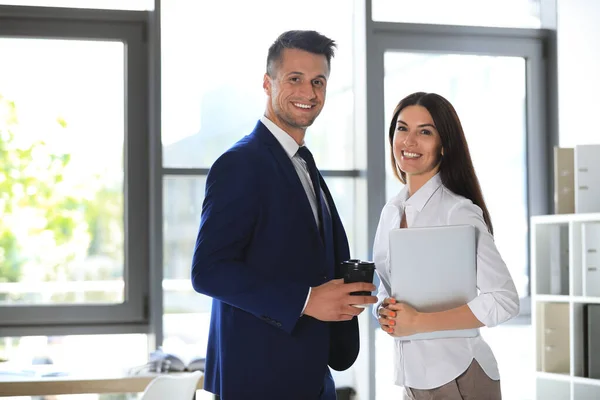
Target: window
{"type": "Point", "coordinates": [182, 206]}
{"type": "Point", "coordinates": [100, 4]}
{"type": "Point", "coordinates": [62, 227]}
{"type": "Point", "coordinates": [492, 13]}
{"type": "Point", "coordinates": [200, 98]}
{"type": "Point", "coordinates": [73, 166]}
{"type": "Point", "coordinates": [488, 75]}
{"type": "Point", "coordinates": [478, 87]}
{"type": "Point", "coordinates": [212, 96]}
{"type": "Point", "coordinates": [74, 353]}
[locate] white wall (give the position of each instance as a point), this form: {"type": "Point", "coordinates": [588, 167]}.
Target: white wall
{"type": "Point", "coordinates": [578, 40]}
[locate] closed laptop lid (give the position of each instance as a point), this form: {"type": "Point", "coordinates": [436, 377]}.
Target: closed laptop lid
{"type": "Point", "coordinates": [434, 269]}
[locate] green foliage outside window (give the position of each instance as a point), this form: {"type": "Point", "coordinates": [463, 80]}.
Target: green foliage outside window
{"type": "Point", "coordinates": [51, 223]}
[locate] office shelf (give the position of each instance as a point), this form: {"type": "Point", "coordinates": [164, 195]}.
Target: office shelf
{"type": "Point", "coordinates": [552, 298]}
{"type": "Point", "coordinates": [586, 381]}
{"type": "Point", "coordinates": [554, 376]}
{"type": "Point", "coordinates": [585, 300]}
{"type": "Point", "coordinates": [564, 218]}
{"type": "Point", "coordinates": [559, 295]}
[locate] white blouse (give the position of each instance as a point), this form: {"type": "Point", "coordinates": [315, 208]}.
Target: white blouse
{"type": "Point", "coordinates": [427, 364]}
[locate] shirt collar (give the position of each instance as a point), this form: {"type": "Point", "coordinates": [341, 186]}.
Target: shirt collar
{"type": "Point", "coordinates": [286, 141]}
{"type": "Point", "coordinates": [420, 197]}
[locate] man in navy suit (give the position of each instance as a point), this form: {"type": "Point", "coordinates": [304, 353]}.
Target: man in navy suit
{"type": "Point", "coordinates": [270, 246]}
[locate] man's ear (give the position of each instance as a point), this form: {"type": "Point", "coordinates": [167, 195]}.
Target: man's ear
{"type": "Point", "coordinates": [267, 84]}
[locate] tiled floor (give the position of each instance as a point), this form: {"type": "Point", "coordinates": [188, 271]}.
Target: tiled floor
{"type": "Point", "coordinates": [512, 346]}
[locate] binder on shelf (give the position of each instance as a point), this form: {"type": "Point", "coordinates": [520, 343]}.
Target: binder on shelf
{"type": "Point", "coordinates": [559, 260]}
{"type": "Point", "coordinates": [564, 180]}
{"type": "Point", "coordinates": [587, 178]}
{"type": "Point", "coordinates": [591, 318]}
{"type": "Point", "coordinates": [555, 338]}
{"type": "Point", "coordinates": [590, 238]}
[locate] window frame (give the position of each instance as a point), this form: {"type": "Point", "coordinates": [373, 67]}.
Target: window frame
{"type": "Point", "coordinates": [528, 44]}
{"type": "Point", "coordinates": [130, 28]}
{"type": "Point", "coordinates": [143, 311]}
{"type": "Point", "coordinates": [536, 46]}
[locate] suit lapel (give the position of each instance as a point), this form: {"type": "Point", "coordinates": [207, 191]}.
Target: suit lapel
{"type": "Point", "coordinates": [293, 181]}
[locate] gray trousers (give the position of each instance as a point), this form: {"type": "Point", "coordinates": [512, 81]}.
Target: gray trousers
{"type": "Point", "coordinates": [473, 384]}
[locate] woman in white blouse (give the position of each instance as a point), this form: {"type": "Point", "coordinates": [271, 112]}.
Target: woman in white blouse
{"type": "Point", "coordinates": [430, 156]}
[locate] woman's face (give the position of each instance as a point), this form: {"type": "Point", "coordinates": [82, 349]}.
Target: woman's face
{"type": "Point", "coordinates": [417, 143]}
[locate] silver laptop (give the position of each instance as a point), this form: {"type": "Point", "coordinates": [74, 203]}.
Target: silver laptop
{"type": "Point", "coordinates": [434, 269]}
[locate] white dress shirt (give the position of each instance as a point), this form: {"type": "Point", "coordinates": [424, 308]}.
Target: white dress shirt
{"type": "Point", "coordinates": [427, 364]}
{"type": "Point", "coordinates": [291, 148]}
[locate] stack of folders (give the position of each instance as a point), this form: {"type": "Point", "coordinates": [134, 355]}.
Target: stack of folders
{"type": "Point", "coordinates": [559, 259]}
{"type": "Point", "coordinates": [592, 341]}
{"type": "Point", "coordinates": [577, 179]}
{"type": "Point", "coordinates": [587, 178]}
{"type": "Point", "coordinates": [564, 180]}
{"type": "Point", "coordinates": [590, 237]}
{"type": "Point", "coordinates": [554, 337]}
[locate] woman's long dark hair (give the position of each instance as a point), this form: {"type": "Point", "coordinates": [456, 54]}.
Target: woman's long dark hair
{"type": "Point", "coordinates": [456, 167]}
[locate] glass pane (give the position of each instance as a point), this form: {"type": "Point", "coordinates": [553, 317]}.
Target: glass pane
{"type": "Point", "coordinates": [494, 13]}
{"type": "Point", "coordinates": [489, 96]}
{"type": "Point", "coordinates": [213, 96]}
{"type": "Point", "coordinates": [183, 197]}
{"type": "Point", "coordinates": [343, 191]}
{"type": "Point", "coordinates": [98, 4]}
{"type": "Point", "coordinates": [61, 171]}
{"type": "Point", "coordinates": [81, 355]}
{"type": "Point", "coordinates": [183, 307]}
{"type": "Point", "coordinates": [76, 356]}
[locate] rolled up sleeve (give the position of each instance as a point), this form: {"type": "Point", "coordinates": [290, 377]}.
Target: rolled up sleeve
{"type": "Point", "coordinates": [498, 300]}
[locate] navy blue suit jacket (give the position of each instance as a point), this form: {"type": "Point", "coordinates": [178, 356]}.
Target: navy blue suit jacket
{"type": "Point", "coordinates": [258, 251]}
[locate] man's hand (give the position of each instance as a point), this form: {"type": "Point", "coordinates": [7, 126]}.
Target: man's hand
{"type": "Point", "coordinates": [332, 301]}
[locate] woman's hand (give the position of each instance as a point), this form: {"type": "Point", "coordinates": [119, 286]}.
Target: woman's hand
{"type": "Point", "coordinates": [398, 319]}
{"type": "Point", "coordinates": [386, 315]}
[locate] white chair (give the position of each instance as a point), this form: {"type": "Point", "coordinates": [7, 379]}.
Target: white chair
{"type": "Point", "coordinates": [172, 386]}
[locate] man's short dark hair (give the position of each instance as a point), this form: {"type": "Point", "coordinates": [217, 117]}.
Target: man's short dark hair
{"type": "Point", "coordinates": [310, 41]}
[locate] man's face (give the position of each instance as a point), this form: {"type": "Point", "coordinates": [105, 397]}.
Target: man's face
{"type": "Point", "coordinates": [297, 89]}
